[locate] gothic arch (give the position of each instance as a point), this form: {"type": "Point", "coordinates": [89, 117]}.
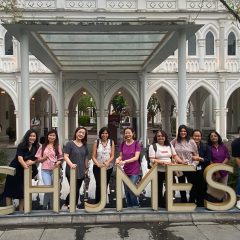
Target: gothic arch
{"type": "Point", "coordinates": [210, 27]}
{"type": "Point", "coordinates": [230, 91]}
{"type": "Point", "coordinates": [76, 87]}
{"type": "Point", "coordinates": [166, 86]}
{"type": "Point", "coordinates": [47, 87]}
{"type": "Point", "coordinates": [128, 88]}
{"type": "Point", "coordinates": [235, 30]}
{"type": "Point", "coordinates": [10, 92]}
{"type": "Point", "coordinates": [204, 84]}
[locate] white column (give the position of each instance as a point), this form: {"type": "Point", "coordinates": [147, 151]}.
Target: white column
{"type": "Point", "coordinates": [137, 114]}
{"type": "Point", "coordinates": [101, 111]}
{"type": "Point", "coordinates": [18, 138]}
{"type": "Point", "coordinates": [143, 103]}
{"type": "Point", "coordinates": [222, 56]}
{"type": "Point", "coordinates": [182, 90]}
{"type": "Point", "coordinates": [66, 112]}
{"type": "Point", "coordinates": [60, 108]}
{"type": "Point", "coordinates": [238, 53]}
{"type": "Point", "coordinates": [221, 113]}
{"type": "Point", "coordinates": [201, 54]}
{"type": "Point", "coordinates": [24, 85]}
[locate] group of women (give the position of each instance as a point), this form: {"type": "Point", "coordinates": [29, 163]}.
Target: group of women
{"type": "Point", "coordinates": [184, 149]}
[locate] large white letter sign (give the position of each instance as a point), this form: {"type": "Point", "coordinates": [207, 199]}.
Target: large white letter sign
{"type": "Point", "coordinates": [178, 207]}
{"type": "Point", "coordinates": [231, 195]}
{"type": "Point", "coordinates": [7, 171]}
{"type": "Point", "coordinates": [29, 189]}
{"type": "Point", "coordinates": [101, 205]}
{"type": "Point", "coordinates": [137, 189]}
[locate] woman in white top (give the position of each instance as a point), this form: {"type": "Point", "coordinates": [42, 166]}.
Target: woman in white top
{"type": "Point", "coordinates": [102, 156]}
{"type": "Point", "coordinates": [162, 153]}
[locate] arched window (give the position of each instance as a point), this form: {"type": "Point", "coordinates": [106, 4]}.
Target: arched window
{"type": "Point", "coordinates": [8, 44]}
{"type": "Point", "coordinates": [192, 46]}
{"type": "Point", "coordinates": [231, 44]}
{"type": "Point", "coordinates": [209, 44]}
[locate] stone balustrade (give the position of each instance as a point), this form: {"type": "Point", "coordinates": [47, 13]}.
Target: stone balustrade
{"type": "Point", "coordinates": [170, 65]}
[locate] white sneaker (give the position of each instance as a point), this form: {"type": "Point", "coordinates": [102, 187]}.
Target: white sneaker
{"type": "Point", "coordinates": [238, 204]}
{"type": "Point", "coordinates": [64, 207]}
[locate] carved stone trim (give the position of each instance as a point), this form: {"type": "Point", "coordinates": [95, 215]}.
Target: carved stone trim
{"type": "Point", "coordinates": [117, 4]}
{"type": "Point", "coordinates": [79, 4]}
{"type": "Point", "coordinates": [153, 4]}
{"type": "Point", "coordinates": [38, 4]}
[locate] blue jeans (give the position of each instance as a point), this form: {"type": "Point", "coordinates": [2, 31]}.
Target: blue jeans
{"type": "Point", "coordinates": [131, 199]}
{"type": "Point", "coordinates": [238, 183]}
{"type": "Point", "coordinates": [47, 177]}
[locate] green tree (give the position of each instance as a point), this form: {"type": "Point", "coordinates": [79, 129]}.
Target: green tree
{"type": "Point", "coordinates": [118, 103]}
{"type": "Point", "coordinates": [233, 6]}
{"type": "Point", "coordinates": [85, 103]}
{"type": "Point", "coordinates": [11, 7]}
{"type": "Point", "coordinates": [153, 108]}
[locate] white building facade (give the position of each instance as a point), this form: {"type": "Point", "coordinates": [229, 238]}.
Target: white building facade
{"type": "Point", "coordinates": [185, 52]}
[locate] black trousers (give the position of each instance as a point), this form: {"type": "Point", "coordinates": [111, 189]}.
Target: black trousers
{"type": "Point", "coordinates": [161, 196]}
{"type": "Point", "coordinates": [78, 186]}
{"type": "Point", "coordinates": [199, 187]}
{"type": "Point", "coordinates": [96, 173]}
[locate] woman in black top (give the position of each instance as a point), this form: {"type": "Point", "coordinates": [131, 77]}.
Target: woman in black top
{"type": "Point", "coordinates": [199, 187]}
{"type": "Point", "coordinates": [25, 156]}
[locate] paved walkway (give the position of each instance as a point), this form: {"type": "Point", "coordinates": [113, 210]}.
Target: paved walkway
{"type": "Point", "coordinates": [172, 231]}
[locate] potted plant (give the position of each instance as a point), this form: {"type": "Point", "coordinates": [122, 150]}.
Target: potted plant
{"type": "Point", "coordinates": [3, 162]}
{"type": "Point", "coordinates": [11, 132]}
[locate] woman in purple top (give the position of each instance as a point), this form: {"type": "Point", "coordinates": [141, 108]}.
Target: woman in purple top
{"type": "Point", "coordinates": [219, 154]}
{"type": "Point", "coordinates": [128, 159]}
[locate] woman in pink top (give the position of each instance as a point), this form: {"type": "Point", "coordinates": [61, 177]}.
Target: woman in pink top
{"type": "Point", "coordinates": [187, 150]}
{"type": "Point", "coordinates": [50, 155]}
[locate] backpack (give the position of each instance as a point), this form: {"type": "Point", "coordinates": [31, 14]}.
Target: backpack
{"type": "Point", "coordinates": [98, 140]}
{"type": "Point", "coordinates": [147, 154]}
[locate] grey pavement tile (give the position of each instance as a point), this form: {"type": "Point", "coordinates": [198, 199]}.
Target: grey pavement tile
{"type": "Point", "coordinates": [132, 218]}
{"type": "Point", "coordinates": [205, 223]}
{"type": "Point", "coordinates": [59, 233]}
{"type": "Point", "coordinates": [107, 218]}
{"type": "Point", "coordinates": [179, 217]}
{"type": "Point", "coordinates": [99, 233]}
{"type": "Point", "coordinates": [237, 226]}
{"type": "Point", "coordinates": [219, 232]}
{"type": "Point", "coordinates": [20, 234]}
{"type": "Point", "coordinates": [136, 234]}
{"type": "Point", "coordinates": [186, 232]}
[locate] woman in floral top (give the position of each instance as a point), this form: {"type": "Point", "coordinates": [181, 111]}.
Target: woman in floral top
{"type": "Point", "coordinates": [187, 150]}
{"type": "Point", "coordinates": [102, 156]}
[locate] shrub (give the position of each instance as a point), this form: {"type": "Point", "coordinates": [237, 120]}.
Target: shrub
{"type": "Point", "coordinates": [84, 120]}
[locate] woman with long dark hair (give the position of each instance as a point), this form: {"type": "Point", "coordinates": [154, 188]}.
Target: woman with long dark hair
{"type": "Point", "coordinates": [186, 149]}
{"type": "Point", "coordinates": [161, 152]}
{"type": "Point", "coordinates": [129, 154]}
{"type": "Point", "coordinates": [219, 154]}
{"type": "Point", "coordinates": [25, 156]}
{"type": "Point", "coordinates": [75, 155]}
{"type": "Point", "coordinates": [102, 156]}
{"type": "Point", "coordinates": [199, 187]}
{"type": "Point", "coordinates": [50, 155]}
